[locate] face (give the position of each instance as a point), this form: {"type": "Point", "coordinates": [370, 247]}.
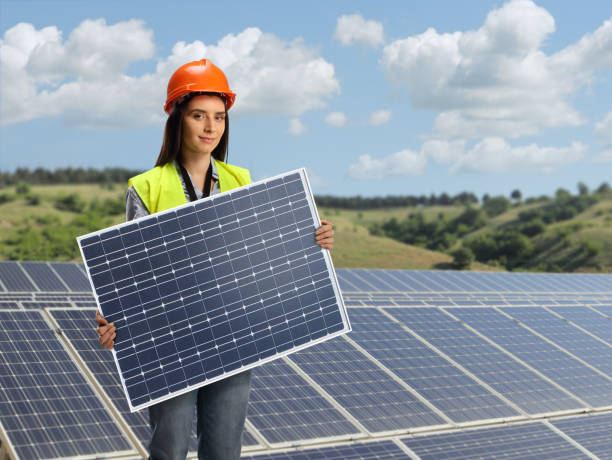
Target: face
{"type": "Point", "coordinates": [203, 124]}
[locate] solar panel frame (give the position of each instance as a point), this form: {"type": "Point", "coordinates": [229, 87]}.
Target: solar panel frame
{"type": "Point", "coordinates": [300, 278]}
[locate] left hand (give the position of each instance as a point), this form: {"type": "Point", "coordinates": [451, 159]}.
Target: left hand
{"type": "Point", "coordinates": [324, 235]}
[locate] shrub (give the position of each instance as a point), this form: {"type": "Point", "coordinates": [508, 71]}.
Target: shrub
{"type": "Point", "coordinates": [33, 199]}
{"type": "Point", "coordinates": [22, 188]}
{"type": "Point", "coordinates": [496, 206]}
{"type": "Point", "coordinates": [533, 227]}
{"type": "Point", "coordinates": [462, 258]}
{"type": "Point", "coordinates": [6, 197]}
{"type": "Point", "coordinates": [72, 203]}
{"type": "Point", "coordinates": [591, 248]}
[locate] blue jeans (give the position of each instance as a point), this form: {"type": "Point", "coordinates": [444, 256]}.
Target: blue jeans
{"type": "Point", "coordinates": [221, 409]}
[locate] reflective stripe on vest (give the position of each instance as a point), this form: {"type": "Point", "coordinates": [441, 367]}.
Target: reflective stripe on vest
{"type": "Point", "coordinates": [160, 188]}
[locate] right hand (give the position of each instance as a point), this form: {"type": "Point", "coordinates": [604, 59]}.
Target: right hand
{"type": "Point", "coordinates": [106, 332]}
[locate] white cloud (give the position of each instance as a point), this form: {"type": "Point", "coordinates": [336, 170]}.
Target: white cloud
{"type": "Point", "coordinates": [379, 117]}
{"type": "Point", "coordinates": [354, 29]}
{"type": "Point", "coordinates": [495, 154]}
{"type": "Point", "coordinates": [604, 157]}
{"type": "Point", "coordinates": [84, 77]}
{"type": "Point", "coordinates": [296, 127]}
{"type": "Point", "coordinates": [496, 80]}
{"type": "Point", "coordinates": [336, 119]}
{"type": "Point", "coordinates": [443, 151]}
{"type": "Point", "coordinates": [603, 130]}
{"type": "Point", "coordinates": [404, 163]}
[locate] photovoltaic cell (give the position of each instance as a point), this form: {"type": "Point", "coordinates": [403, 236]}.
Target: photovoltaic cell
{"type": "Point", "coordinates": [444, 385]}
{"type": "Point", "coordinates": [13, 278]}
{"type": "Point", "coordinates": [9, 305]}
{"type": "Point", "coordinates": [214, 287]}
{"type": "Point", "coordinates": [47, 408]}
{"type": "Point", "coordinates": [78, 326]}
{"type": "Point", "coordinates": [559, 367]}
{"type": "Point", "coordinates": [590, 431]}
{"type": "Point", "coordinates": [284, 407]}
{"type": "Point", "coordinates": [369, 394]}
{"type": "Point", "coordinates": [72, 276]}
{"type": "Point", "coordinates": [587, 319]}
{"type": "Point", "coordinates": [505, 375]}
{"type": "Point", "coordinates": [532, 441]}
{"type": "Point", "coordinates": [43, 276]}
{"type": "Point", "coordinates": [380, 450]}
{"type": "Point", "coordinates": [572, 339]}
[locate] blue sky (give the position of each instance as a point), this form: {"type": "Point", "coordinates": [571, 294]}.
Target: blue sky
{"type": "Point", "coordinates": [374, 98]}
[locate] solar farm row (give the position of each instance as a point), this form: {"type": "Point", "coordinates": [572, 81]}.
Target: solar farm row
{"type": "Point", "coordinates": [50, 277]}
{"type": "Point", "coordinates": [417, 381]}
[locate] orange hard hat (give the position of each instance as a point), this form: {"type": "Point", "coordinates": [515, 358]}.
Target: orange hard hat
{"type": "Point", "coordinates": [198, 76]}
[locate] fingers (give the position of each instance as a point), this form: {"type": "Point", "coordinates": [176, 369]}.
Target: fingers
{"type": "Point", "coordinates": [324, 235]}
{"type": "Point", "coordinates": [106, 332]}
{"type": "Point", "coordinates": [100, 319]}
{"type": "Point", "coordinates": [107, 336]}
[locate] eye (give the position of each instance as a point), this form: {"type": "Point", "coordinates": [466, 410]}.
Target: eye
{"type": "Point", "coordinates": [220, 117]}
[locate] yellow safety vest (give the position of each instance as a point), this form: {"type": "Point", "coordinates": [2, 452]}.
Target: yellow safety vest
{"type": "Point", "coordinates": [160, 188]}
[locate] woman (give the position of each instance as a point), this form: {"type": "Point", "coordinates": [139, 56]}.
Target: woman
{"type": "Point", "coordinates": [191, 166]}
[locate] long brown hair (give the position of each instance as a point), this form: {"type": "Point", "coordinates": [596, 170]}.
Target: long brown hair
{"type": "Point", "coordinates": [173, 133]}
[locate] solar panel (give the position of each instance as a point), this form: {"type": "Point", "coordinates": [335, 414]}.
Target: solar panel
{"type": "Point", "coordinates": [591, 431]}
{"type": "Point", "coordinates": [580, 344]}
{"type": "Point", "coordinates": [47, 408]}
{"type": "Point", "coordinates": [559, 367]}
{"type": "Point", "coordinates": [214, 287]}
{"type": "Point", "coordinates": [43, 276]}
{"type": "Point", "coordinates": [379, 450]}
{"type": "Point", "coordinates": [72, 276]}
{"type": "Point", "coordinates": [78, 327]}
{"type": "Point", "coordinates": [369, 394]}
{"type": "Point", "coordinates": [457, 395]}
{"type": "Point", "coordinates": [284, 407]}
{"type": "Point", "coordinates": [13, 278]}
{"type": "Point", "coordinates": [9, 305]}
{"type": "Point", "coordinates": [525, 441]}
{"type": "Point", "coordinates": [508, 377]}
{"type": "Point", "coordinates": [331, 401]}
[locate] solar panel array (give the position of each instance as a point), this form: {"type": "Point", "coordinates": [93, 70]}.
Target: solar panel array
{"type": "Point", "coordinates": [438, 365]}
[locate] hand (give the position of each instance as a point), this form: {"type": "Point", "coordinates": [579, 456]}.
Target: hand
{"type": "Point", "coordinates": [324, 235]}
{"type": "Point", "coordinates": [106, 331]}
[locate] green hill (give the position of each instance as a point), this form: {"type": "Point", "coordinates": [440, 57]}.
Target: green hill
{"type": "Point", "coordinates": [41, 222]}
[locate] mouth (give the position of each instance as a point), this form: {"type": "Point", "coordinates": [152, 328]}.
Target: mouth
{"type": "Point", "coordinates": [207, 139]}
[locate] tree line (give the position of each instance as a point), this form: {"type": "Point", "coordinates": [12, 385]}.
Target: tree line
{"type": "Point", "coordinates": [67, 176]}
